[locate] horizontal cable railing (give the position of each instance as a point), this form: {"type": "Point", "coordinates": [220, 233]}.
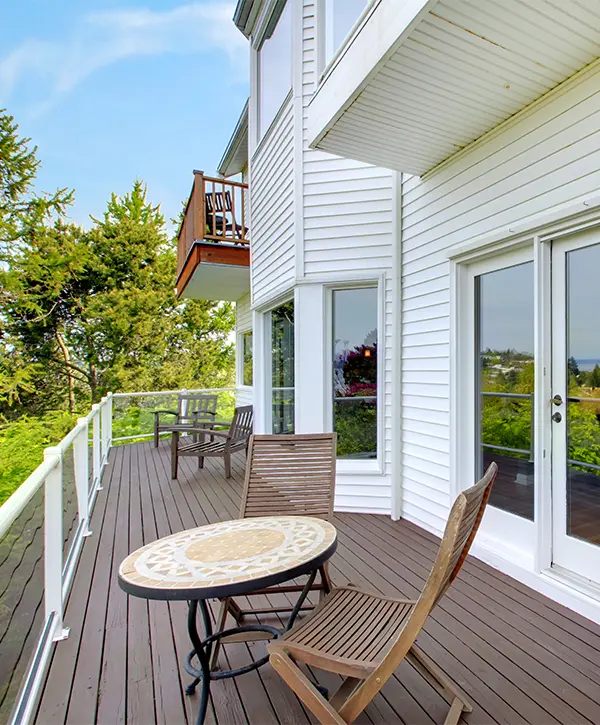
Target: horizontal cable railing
{"type": "Point", "coordinates": [42, 528]}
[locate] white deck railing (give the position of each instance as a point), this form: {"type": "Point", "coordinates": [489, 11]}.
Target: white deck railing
{"type": "Point", "coordinates": [58, 567]}
{"type": "Point", "coordinates": [89, 458]}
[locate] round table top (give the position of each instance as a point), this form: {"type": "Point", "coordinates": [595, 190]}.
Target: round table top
{"type": "Point", "coordinates": [228, 558]}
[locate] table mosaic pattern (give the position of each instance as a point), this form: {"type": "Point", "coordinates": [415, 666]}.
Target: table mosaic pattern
{"type": "Point", "coordinates": [228, 553]}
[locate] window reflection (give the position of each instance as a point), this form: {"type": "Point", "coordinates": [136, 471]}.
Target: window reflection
{"type": "Point", "coordinates": [247, 358]}
{"type": "Point", "coordinates": [340, 17]}
{"type": "Point", "coordinates": [583, 409]}
{"type": "Point", "coordinates": [282, 368]}
{"type": "Point", "coordinates": [275, 70]}
{"type": "Point", "coordinates": [355, 372]}
{"type": "Point", "coordinates": [505, 336]}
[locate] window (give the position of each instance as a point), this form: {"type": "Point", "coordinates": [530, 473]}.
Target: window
{"type": "Point", "coordinates": [355, 372]}
{"type": "Point", "coordinates": [504, 384]}
{"type": "Point", "coordinates": [275, 70]}
{"type": "Point", "coordinates": [247, 358]}
{"type": "Point", "coordinates": [340, 16]}
{"type": "Point", "coordinates": [282, 368]}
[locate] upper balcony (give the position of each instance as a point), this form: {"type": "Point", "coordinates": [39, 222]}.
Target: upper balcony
{"type": "Point", "coordinates": [213, 247]}
{"type": "Point", "coordinates": [419, 80]}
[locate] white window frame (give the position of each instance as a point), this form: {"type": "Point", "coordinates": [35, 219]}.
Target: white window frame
{"type": "Point", "coordinates": [268, 360]}
{"type": "Point", "coordinates": [240, 359]}
{"type": "Point", "coordinates": [522, 542]}
{"type": "Point", "coordinates": [348, 466]}
{"type": "Point", "coordinates": [326, 54]}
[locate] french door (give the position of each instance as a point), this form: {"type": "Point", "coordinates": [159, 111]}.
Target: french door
{"type": "Point", "coordinates": [576, 405]}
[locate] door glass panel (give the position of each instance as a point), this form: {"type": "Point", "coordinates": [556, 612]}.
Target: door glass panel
{"type": "Point", "coordinates": [282, 356]}
{"type": "Point", "coordinates": [583, 413]}
{"type": "Point", "coordinates": [504, 380]}
{"type": "Point", "coordinates": [355, 372]}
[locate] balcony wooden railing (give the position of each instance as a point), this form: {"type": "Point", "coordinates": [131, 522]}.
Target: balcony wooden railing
{"type": "Point", "coordinates": [215, 212]}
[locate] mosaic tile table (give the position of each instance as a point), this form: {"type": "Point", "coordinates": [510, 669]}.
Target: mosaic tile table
{"type": "Point", "coordinates": [227, 559]}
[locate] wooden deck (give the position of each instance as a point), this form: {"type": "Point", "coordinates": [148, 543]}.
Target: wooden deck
{"type": "Point", "coordinates": [519, 656]}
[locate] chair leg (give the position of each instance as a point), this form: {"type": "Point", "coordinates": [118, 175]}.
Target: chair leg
{"type": "Point", "coordinates": [305, 689]}
{"type": "Point", "coordinates": [325, 580]}
{"type": "Point", "coordinates": [200, 461]}
{"type": "Point", "coordinates": [227, 465]}
{"type": "Point", "coordinates": [174, 453]}
{"type": "Point", "coordinates": [220, 626]}
{"type": "Point", "coordinates": [156, 434]}
{"type": "Point", "coordinates": [438, 680]}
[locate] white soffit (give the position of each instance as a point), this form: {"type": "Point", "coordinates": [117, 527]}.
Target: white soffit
{"type": "Point", "coordinates": [454, 71]}
{"type": "Point", "coordinates": [217, 282]}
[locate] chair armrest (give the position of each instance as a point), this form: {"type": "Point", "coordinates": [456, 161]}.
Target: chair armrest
{"type": "Point", "coordinates": [226, 423]}
{"type": "Point", "coordinates": [170, 412]}
{"type": "Point", "coordinates": [207, 431]}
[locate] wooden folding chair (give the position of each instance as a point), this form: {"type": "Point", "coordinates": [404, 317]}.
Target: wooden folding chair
{"type": "Point", "coordinates": [192, 409]}
{"type": "Point", "coordinates": [205, 441]}
{"type": "Point", "coordinates": [286, 475]}
{"type": "Point", "coordinates": [364, 637]}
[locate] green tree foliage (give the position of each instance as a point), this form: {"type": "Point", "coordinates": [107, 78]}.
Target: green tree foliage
{"type": "Point", "coordinates": [85, 311]}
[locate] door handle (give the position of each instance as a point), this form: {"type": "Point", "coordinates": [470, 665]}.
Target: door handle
{"type": "Point", "coordinates": [556, 400]}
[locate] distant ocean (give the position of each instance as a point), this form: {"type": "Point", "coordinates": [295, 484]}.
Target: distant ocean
{"type": "Point", "coordinates": [587, 363]}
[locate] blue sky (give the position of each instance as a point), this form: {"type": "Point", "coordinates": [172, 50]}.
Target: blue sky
{"type": "Point", "coordinates": [111, 90]}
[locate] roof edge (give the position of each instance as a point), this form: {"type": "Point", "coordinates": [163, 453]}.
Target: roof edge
{"type": "Point", "coordinates": [235, 156]}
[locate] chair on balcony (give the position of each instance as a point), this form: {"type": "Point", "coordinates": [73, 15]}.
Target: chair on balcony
{"type": "Point", "coordinates": [218, 205]}
{"type": "Point", "coordinates": [286, 475]}
{"type": "Point", "coordinates": [205, 442]}
{"type": "Point", "coordinates": [192, 409]}
{"type": "Point", "coordinates": [364, 636]}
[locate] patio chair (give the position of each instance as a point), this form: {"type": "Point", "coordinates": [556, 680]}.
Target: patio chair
{"type": "Point", "coordinates": [286, 475]}
{"type": "Point", "coordinates": [192, 409]}
{"type": "Point", "coordinates": [217, 215]}
{"type": "Point", "coordinates": [205, 442]}
{"type": "Point", "coordinates": [364, 636]}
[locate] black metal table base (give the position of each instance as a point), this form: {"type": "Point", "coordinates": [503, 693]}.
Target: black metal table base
{"type": "Point", "coordinates": [203, 647]}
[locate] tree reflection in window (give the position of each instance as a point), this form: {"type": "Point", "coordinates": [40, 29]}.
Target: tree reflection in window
{"type": "Point", "coordinates": [355, 372]}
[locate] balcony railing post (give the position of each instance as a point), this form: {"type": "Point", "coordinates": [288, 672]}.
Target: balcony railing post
{"type": "Point", "coordinates": [109, 420]}
{"type": "Point", "coordinates": [81, 463]}
{"type": "Point", "coordinates": [198, 207]}
{"type": "Point", "coordinates": [96, 461]}
{"type": "Point", "coordinates": [53, 544]}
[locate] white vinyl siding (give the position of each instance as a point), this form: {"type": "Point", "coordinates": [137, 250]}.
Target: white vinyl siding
{"type": "Point", "coordinates": [543, 159]}
{"type": "Point", "coordinates": [272, 203]}
{"type": "Point", "coordinates": [348, 229]}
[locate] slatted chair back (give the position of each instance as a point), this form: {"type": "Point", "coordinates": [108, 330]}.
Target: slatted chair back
{"type": "Point", "coordinates": [461, 528]}
{"type": "Point", "coordinates": [290, 475]}
{"type": "Point", "coordinates": [197, 407]}
{"type": "Point", "coordinates": [214, 202]}
{"type": "Point", "coordinates": [241, 425]}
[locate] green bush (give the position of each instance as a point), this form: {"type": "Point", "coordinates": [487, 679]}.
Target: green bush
{"type": "Point", "coordinates": [22, 444]}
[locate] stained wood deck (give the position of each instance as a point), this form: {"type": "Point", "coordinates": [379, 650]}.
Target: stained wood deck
{"type": "Point", "coordinates": [519, 656]}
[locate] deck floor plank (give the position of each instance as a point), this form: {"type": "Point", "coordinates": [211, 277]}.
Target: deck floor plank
{"type": "Point", "coordinates": [520, 657]}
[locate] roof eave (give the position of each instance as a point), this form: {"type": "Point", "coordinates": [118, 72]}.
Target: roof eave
{"type": "Point", "coordinates": [235, 157]}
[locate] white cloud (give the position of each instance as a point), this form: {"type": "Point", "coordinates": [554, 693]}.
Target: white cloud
{"type": "Point", "coordinates": [101, 39]}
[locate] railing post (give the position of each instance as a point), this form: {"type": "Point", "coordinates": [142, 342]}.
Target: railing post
{"type": "Point", "coordinates": [82, 473]}
{"type": "Point", "coordinates": [53, 544]}
{"type": "Point", "coordinates": [105, 413]}
{"type": "Point", "coordinates": [109, 421]}
{"type": "Point", "coordinates": [96, 446]}
{"type": "Point", "coordinates": [184, 404]}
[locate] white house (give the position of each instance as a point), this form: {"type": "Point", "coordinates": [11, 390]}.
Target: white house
{"type": "Point", "coordinates": [424, 207]}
